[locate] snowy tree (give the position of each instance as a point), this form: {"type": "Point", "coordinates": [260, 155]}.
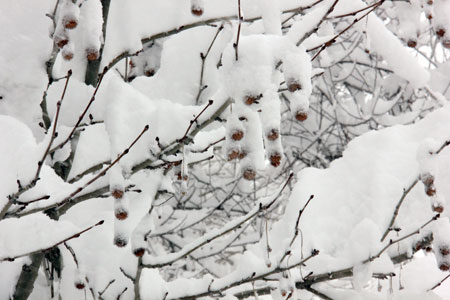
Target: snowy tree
{"type": "Point", "coordinates": [183, 149]}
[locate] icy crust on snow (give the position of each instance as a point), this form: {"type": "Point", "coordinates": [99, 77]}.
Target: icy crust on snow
{"type": "Point", "coordinates": [360, 207]}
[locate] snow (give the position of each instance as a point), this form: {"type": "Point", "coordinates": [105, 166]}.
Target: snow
{"type": "Point", "coordinates": [23, 78]}
{"type": "Point", "coordinates": [271, 16]}
{"type": "Point", "coordinates": [358, 199]}
{"type": "Point", "coordinates": [32, 233]}
{"type": "Point", "coordinates": [384, 43]}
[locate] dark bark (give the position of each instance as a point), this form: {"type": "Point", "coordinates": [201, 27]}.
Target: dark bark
{"type": "Point", "coordinates": [27, 277]}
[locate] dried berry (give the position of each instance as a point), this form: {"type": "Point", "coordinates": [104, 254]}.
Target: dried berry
{"type": "Point", "coordinates": [79, 285]}
{"type": "Point", "coordinates": [242, 154]}
{"type": "Point", "coordinates": [427, 179]}
{"type": "Point", "coordinates": [440, 32]}
{"type": "Point", "coordinates": [69, 22]}
{"type": "Point", "coordinates": [418, 246]}
{"type": "Point", "coordinates": [430, 190]}
{"type": "Point", "coordinates": [237, 135]}
{"type": "Point", "coordinates": [444, 266]}
{"type": "Point", "coordinates": [61, 41]}
{"type": "Point", "coordinates": [149, 72]}
{"type": "Point", "coordinates": [92, 54]}
{"type": "Point", "coordinates": [446, 43]}
{"type": "Point", "coordinates": [301, 116]}
{"type": "Point", "coordinates": [293, 85]}
{"type": "Point", "coordinates": [120, 241]}
{"type": "Point", "coordinates": [250, 99]}
{"type": "Point", "coordinates": [180, 177]}
{"type": "Point", "coordinates": [117, 194]}
{"type": "Point", "coordinates": [196, 10]}
{"type": "Point", "coordinates": [139, 252]}
{"type": "Point", "coordinates": [444, 250]}
{"type": "Point", "coordinates": [121, 214]}
{"type": "Point", "coordinates": [438, 208]}
{"type": "Point", "coordinates": [67, 55]}
{"type": "Point", "coordinates": [428, 249]}
{"type": "Point", "coordinates": [275, 159]}
{"type": "Point", "coordinates": [273, 135]}
{"type": "Point", "coordinates": [412, 43]}
{"type": "Point", "coordinates": [249, 174]}
{"type": "Point", "coordinates": [233, 154]}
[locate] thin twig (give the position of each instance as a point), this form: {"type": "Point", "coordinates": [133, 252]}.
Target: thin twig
{"type": "Point", "coordinates": [439, 283]}
{"type": "Point", "coordinates": [397, 208]}
{"type": "Point", "coordinates": [393, 242]}
{"type": "Point", "coordinates": [100, 294]}
{"type": "Point", "coordinates": [55, 123]}
{"type": "Point", "coordinates": [210, 102]}
{"type": "Point", "coordinates": [102, 173]}
{"type": "Point", "coordinates": [22, 189]}
{"type": "Point", "coordinates": [333, 39]}
{"type": "Point", "coordinates": [203, 57]}
{"type": "Point", "coordinates": [80, 118]}
{"type": "Point", "coordinates": [236, 45]}
{"type": "Point", "coordinates": [76, 235]}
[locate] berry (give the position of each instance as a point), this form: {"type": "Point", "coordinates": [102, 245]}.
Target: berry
{"type": "Point", "coordinates": [79, 285]}
{"type": "Point", "coordinates": [418, 246]}
{"type": "Point", "coordinates": [233, 154]}
{"type": "Point", "coordinates": [237, 135]}
{"type": "Point", "coordinates": [440, 32]}
{"type": "Point", "coordinates": [197, 11]}
{"type": "Point", "coordinates": [117, 194]}
{"type": "Point", "coordinates": [301, 116]}
{"type": "Point", "coordinates": [438, 208]}
{"type": "Point", "coordinates": [242, 154]}
{"type": "Point", "coordinates": [275, 159]}
{"type": "Point", "coordinates": [69, 23]}
{"type": "Point", "coordinates": [444, 266]}
{"type": "Point", "coordinates": [149, 72]}
{"type": "Point", "coordinates": [444, 250]}
{"type": "Point", "coordinates": [120, 242]}
{"type": "Point", "coordinates": [430, 190]}
{"type": "Point", "coordinates": [61, 41]}
{"type": "Point", "coordinates": [121, 214]}
{"type": "Point", "coordinates": [92, 54]}
{"type": "Point", "coordinates": [67, 55]}
{"type": "Point", "coordinates": [249, 174]}
{"type": "Point", "coordinates": [293, 85]}
{"type": "Point", "coordinates": [412, 43]}
{"type": "Point", "coordinates": [273, 135]}
{"type": "Point", "coordinates": [139, 252]}
{"type": "Point", "coordinates": [446, 43]}
{"type": "Point", "coordinates": [427, 179]}
{"type": "Point", "coordinates": [250, 99]}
